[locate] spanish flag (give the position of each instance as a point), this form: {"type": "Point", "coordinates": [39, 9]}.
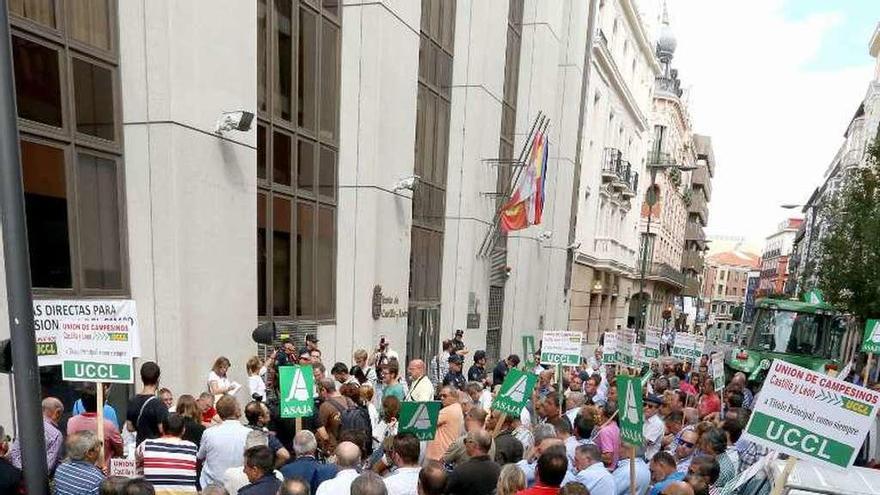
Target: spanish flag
{"type": "Point", "coordinates": [526, 206]}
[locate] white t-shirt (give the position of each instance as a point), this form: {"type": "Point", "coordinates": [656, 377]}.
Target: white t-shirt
{"type": "Point", "coordinates": [653, 431]}
{"type": "Point", "coordinates": [222, 382]}
{"type": "Point", "coordinates": [257, 385]}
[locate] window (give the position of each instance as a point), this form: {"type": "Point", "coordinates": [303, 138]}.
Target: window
{"type": "Point", "coordinates": [65, 66]}
{"type": "Point", "coordinates": [297, 131]}
{"type": "Point", "coordinates": [432, 148]}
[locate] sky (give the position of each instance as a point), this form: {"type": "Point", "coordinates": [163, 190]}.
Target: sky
{"type": "Point", "coordinates": [774, 83]}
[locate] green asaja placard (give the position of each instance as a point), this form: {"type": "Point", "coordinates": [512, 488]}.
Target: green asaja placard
{"type": "Point", "coordinates": [297, 391]}
{"type": "Point", "coordinates": [871, 340]}
{"type": "Point", "coordinates": [515, 392]}
{"type": "Point", "coordinates": [630, 412]}
{"type": "Point", "coordinates": [419, 418]}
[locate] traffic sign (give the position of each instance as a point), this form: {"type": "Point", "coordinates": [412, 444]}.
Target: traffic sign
{"type": "Point", "coordinates": [630, 413]}
{"type": "Point", "coordinates": [297, 384]}
{"type": "Point", "coordinates": [515, 392]}
{"type": "Point", "coordinates": [420, 418]}
{"type": "Point", "coordinates": [871, 340]}
{"type": "Point", "coordinates": [812, 416]}
{"type": "Point", "coordinates": [560, 347]}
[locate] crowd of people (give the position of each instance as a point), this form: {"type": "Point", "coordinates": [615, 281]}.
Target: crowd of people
{"type": "Point", "coordinates": [565, 441]}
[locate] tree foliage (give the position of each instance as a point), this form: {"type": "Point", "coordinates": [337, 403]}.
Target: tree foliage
{"type": "Point", "coordinates": [848, 261]}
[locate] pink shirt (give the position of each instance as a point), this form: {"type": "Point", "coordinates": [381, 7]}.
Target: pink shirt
{"type": "Point", "coordinates": [89, 421]}
{"type": "Point", "coordinates": [608, 440]}
{"type": "Point", "coordinates": [450, 425]}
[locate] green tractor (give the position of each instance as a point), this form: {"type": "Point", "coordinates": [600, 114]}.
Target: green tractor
{"type": "Point", "coordinates": [801, 333]}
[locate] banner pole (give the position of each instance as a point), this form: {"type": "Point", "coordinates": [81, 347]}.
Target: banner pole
{"type": "Point", "coordinates": [782, 479]}
{"type": "Point", "coordinates": [867, 369]}
{"type": "Point", "coordinates": [100, 392]}
{"type": "Point", "coordinates": [499, 424]}
{"type": "Point", "coordinates": [632, 470]}
{"type": "Point", "coordinates": [561, 392]}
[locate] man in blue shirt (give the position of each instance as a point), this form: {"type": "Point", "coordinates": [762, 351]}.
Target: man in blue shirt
{"type": "Point", "coordinates": [663, 472]}
{"type": "Point", "coordinates": [591, 470]}
{"type": "Point", "coordinates": [306, 466]}
{"type": "Point", "coordinates": [621, 474]}
{"type": "Point", "coordinates": [259, 466]}
{"type": "Point", "coordinates": [79, 475]}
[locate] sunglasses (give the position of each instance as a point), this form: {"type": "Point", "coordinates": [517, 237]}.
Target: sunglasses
{"type": "Point", "coordinates": [689, 445]}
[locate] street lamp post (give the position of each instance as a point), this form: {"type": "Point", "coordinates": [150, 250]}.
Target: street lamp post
{"type": "Point", "coordinates": [652, 200]}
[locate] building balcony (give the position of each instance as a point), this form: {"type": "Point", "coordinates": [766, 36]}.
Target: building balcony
{"type": "Point", "coordinates": [662, 272]}
{"type": "Point", "coordinates": [693, 260]}
{"type": "Point", "coordinates": [619, 173]}
{"type": "Point", "coordinates": [692, 287]}
{"type": "Point", "coordinates": [668, 86]}
{"type": "Point", "coordinates": [698, 206]}
{"type": "Point", "coordinates": [700, 179]}
{"type": "Point", "coordinates": [694, 232]}
{"type": "Point", "coordinates": [660, 157]}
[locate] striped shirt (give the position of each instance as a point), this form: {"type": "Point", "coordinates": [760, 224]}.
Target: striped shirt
{"type": "Point", "coordinates": [77, 478]}
{"type": "Point", "coordinates": [169, 464]}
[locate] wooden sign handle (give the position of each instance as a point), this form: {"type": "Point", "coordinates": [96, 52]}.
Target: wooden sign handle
{"type": "Point", "coordinates": [499, 424]}
{"type": "Point", "coordinates": [782, 479]}
{"type": "Point", "coordinates": [100, 395]}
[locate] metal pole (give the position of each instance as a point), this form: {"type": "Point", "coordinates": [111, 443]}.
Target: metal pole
{"type": "Point", "coordinates": [643, 306]}
{"type": "Point", "coordinates": [26, 376]}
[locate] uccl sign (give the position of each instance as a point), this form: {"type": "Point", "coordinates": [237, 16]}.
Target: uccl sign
{"type": "Point", "coordinates": [812, 416]}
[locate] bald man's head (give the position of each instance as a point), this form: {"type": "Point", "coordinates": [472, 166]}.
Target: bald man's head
{"type": "Point", "coordinates": [348, 455]}
{"type": "Point", "coordinates": [52, 409]}
{"type": "Point", "coordinates": [677, 488]}
{"type": "Point", "coordinates": [416, 369]}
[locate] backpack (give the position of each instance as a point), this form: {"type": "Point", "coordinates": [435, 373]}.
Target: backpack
{"type": "Point", "coordinates": [354, 417]}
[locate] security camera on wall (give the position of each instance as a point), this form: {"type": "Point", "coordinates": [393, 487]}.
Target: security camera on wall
{"type": "Point", "coordinates": [407, 183]}
{"type": "Point", "coordinates": [234, 121]}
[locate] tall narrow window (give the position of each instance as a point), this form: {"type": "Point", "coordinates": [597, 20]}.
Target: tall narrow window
{"type": "Point", "coordinates": [65, 63]}
{"type": "Point", "coordinates": [302, 133]}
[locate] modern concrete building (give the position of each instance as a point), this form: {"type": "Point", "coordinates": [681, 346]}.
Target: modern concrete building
{"type": "Point", "coordinates": [774, 257]}
{"type": "Point", "coordinates": [612, 182]}
{"type": "Point", "coordinates": [313, 219]}
{"type": "Point", "coordinates": [726, 283]}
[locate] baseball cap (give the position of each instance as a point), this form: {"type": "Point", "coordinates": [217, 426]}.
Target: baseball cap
{"type": "Point", "coordinates": [455, 358]}
{"type": "Point", "coordinates": [654, 399]}
{"type": "Point", "coordinates": [310, 337]}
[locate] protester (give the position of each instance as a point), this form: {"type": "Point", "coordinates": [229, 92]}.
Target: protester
{"type": "Point", "coordinates": [383, 354]}
{"type": "Point", "coordinates": [702, 474]}
{"type": "Point", "coordinates": [330, 413]}
{"type": "Point", "coordinates": [405, 455]}
{"type": "Point", "coordinates": [457, 452]}
{"type": "Point", "coordinates": [685, 450]}
{"type": "Point", "coordinates": [508, 449]}
{"type": "Point", "coordinates": [511, 480]}
{"type": "Point", "coordinates": [608, 436]}
{"type": "Point", "coordinates": [432, 479]}
{"type": "Point", "coordinates": [348, 457]}
{"type": "Point", "coordinates": [653, 427]}
{"type": "Point", "coordinates": [169, 462]}
{"type": "Point", "coordinates": [109, 410]}
{"type": "Point", "coordinates": [294, 486]}
{"type": "Point", "coordinates": [222, 446]}
{"type": "Point", "coordinates": [552, 467]}
{"type": "Point", "coordinates": [440, 363]}
{"type": "Point", "coordinates": [88, 420]}
{"type": "Point", "coordinates": [80, 474]}
{"type": "Point", "coordinates": [421, 390]}
{"type": "Point", "coordinates": [479, 474]}
{"type": "Point", "coordinates": [391, 386]}
{"type": "Point", "coordinates": [10, 475]}
{"type": "Point", "coordinates": [388, 421]}
{"type": "Point", "coordinates": [592, 472]}
{"type": "Point", "coordinates": [259, 465]}
{"type": "Point", "coordinates": [718, 443]}
{"type": "Point", "coordinates": [236, 477]}
{"type": "Point", "coordinates": [574, 401]}
{"type": "Point", "coordinates": [209, 412]}
{"type": "Point", "coordinates": [52, 409]}
{"type": "Point", "coordinates": [145, 411]}
{"type": "Point", "coordinates": [622, 473]}
{"type": "Point", "coordinates": [709, 402]}
{"type": "Point", "coordinates": [306, 465]}
{"type": "Point", "coordinates": [663, 472]}
{"type": "Point", "coordinates": [544, 438]}
{"type": "Point", "coordinates": [480, 396]}
{"type": "Point", "coordinates": [257, 415]}
{"type": "Point", "coordinates": [449, 423]}
{"type": "Point", "coordinates": [218, 383]}
{"type": "Point", "coordinates": [360, 359]}
{"type": "Point", "coordinates": [499, 373]}
{"type": "Point", "coordinates": [188, 409]}
{"type": "Point", "coordinates": [477, 371]}
{"type": "Point", "coordinates": [458, 346]}
{"type": "Point", "coordinates": [256, 370]}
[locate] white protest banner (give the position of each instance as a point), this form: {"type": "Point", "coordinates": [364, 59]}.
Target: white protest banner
{"type": "Point", "coordinates": [560, 347]}
{"type": "Point", "coordinates": [812, 416]}
{"type": "Point", "coordinates": [609, 349]}
{"type": "Point", "coordinates": [105, 319]}
{"type": "Point", "coordinates": [627, 350]}
{"type": "Point", "coordinates": [651, 349]}
{"type": "Point", "coordinates": [687, 346]}
{"type": "Point", "coordinates": [126, 468]}
{"type": "Point", "coordinates": [718, 371]}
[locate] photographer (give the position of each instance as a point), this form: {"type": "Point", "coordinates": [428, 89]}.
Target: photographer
{"type": "Point", "coordinates": [383, 353]}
